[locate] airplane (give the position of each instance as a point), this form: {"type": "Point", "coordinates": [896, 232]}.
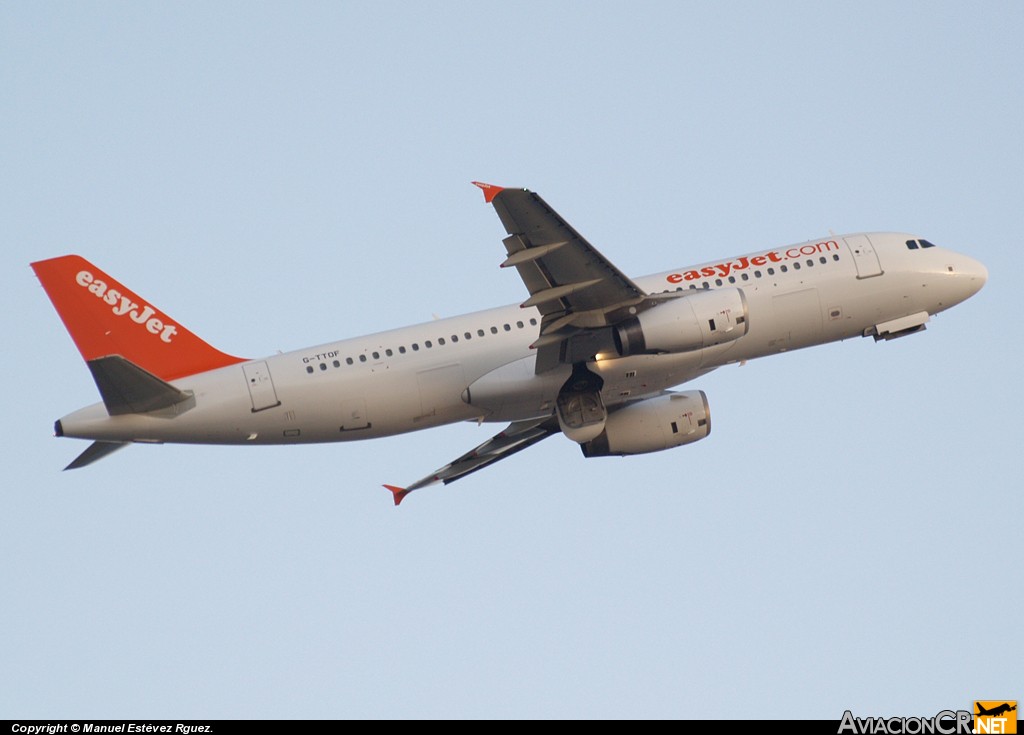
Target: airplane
{"type": "Point", "coordinates": [590, 353]}
{"type": "Point", "coordinates": [995, 711]}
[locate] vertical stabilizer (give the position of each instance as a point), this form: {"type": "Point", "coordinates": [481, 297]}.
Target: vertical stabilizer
{"type": "Point", "coordinates": [105, 318]}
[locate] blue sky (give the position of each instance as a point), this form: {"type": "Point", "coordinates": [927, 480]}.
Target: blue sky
{"type": "Point", "coordinates": [276, 176]}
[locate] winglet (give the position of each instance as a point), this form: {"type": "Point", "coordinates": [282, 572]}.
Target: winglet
{"type": "Point", "coordinates": [398, 492]}
{"type": "Point", "coordinates": [490, 190]}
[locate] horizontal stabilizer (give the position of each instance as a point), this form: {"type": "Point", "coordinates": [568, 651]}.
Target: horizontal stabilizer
{"type": "Point", "coordinates": [95, 451]}
{"type": "Point", "coordinates": [127, 388]}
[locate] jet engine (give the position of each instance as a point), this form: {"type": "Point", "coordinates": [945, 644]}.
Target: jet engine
{"type": "Point", "coordinates": [691, 322]}
{"type": "Point", "coordinates": [669, 420]}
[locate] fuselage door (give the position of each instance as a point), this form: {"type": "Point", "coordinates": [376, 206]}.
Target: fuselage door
{"type": "Point", "coordinates": [261, 387]}
{"type": "Point", "coordinates": [353, 414]}
{"type": "Point", "coordinates": [864, 256]}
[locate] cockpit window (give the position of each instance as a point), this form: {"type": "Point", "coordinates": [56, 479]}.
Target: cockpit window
{"type": "Point", "coordinates": [911, 244]}
{"type": "Point", "coordinates": [925, 244]}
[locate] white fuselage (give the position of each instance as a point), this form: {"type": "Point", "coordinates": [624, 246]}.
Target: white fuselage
{"type": "Point", "coordinates": [480, 366]}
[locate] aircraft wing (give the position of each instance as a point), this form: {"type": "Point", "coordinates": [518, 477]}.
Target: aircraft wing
{"type": "Point", "coordinates": [517, 436]}
{"type": "Point", "coordinates": [570, 282]}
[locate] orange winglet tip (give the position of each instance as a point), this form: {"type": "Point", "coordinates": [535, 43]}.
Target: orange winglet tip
{"type": "Point", "coordinates": [398, 492]}
{"type": "Point", "coordinates": [490, 190]}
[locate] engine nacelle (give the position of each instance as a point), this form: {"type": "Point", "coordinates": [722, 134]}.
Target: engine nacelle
{"type": "Point", "coordinates": [666, 421]}
{"type": "Point", "coordinates": [692, 322]}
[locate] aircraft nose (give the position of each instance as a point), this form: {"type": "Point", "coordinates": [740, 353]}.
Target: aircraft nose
{"type": "Point", "coordinates": [974, 273]}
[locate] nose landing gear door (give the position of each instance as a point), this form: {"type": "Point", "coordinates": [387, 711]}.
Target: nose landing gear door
{"type": "Point", "coordinates": [261, 386]}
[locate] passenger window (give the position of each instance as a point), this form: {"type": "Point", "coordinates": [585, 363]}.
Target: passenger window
{"type": "Point", "coordinates": [362, 358]}
{"type": "Point", "coordinates": [309, 368]}
{"type": "Point", "coordinates": [732, 279]}
{"type": "Point", "coordinates": [533, 322]}
{"type": "Point", "coordinates": [441, 341]}
{"type": "Point", "coordinates": [415, 347]}
{"type": "Point", "coordinates": [508, 328]}
{"type": "Point", "coordinates": [835, 257]}
{"type": "Point", "coordinates": [401, 349]}
{"type": "Point", "coordinates": [479, 333]}
{"type": "Point", "coordinates": [757, 274]}
{"type": "Point", "coordinates": [718, 281]}
{"type": "Point", "coordinates": [744, 276]}
{"type": "Point", "coordinates": [784, 269]}
{"type": "Point", "coordinates": [810, 263]}
{"type": "Point", "coordinates": [468, 335]}
{"type": "Point", "coordinates": [376, 355]}
{"type": "Point", "coordinates": [336, 363]}
{"type": "Point", "coordinates": [388, 352]}
{"type": "Point", "coordinates": [494, 330]}
{"type": "Point", "coordinates": [428, 344]}
{"type": "Point", "coordinates": [348, 361]}
{"type": "Point", "coordinates": [323, 366]}
{"type": "Point", "coordinates": [771, 271]}
{"type": "Point", "coordinates": [519, 324]}
{"type": "Point", "coordinates": [706, 285]}
{"type": "Point", "coordinates": [693, 286]}
{"type": "Point", "coordinates": [796, 266]}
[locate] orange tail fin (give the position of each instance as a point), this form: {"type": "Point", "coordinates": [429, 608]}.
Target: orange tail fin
{"type": "Point", "coordinates": [104, 318]}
